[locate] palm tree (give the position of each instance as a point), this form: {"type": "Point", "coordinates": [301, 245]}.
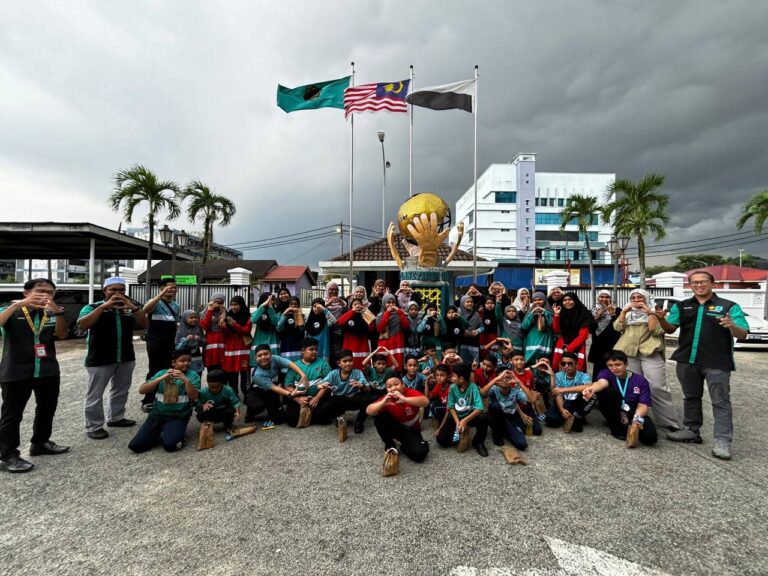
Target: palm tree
{"type": "Point", "coordinates": [638, 210]}
{"type": "Point", "coordinates": [212, 208]}
{"type": "Point", "coordinates": [139, 184]}
{"type": "Point", "coordinates": [757, 208]}
{"type": "Point", "coordinates": [582, 209]}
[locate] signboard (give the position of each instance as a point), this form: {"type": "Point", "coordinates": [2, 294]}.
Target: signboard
{"type": "Point", "coordinates": [539, 275]}
{"type": "Point", "coordinates": [182, 280]}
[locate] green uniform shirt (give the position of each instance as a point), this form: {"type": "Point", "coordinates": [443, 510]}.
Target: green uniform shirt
{"type": "Point", "coordinates": [226, 398]}
{"type": "Point", "coordinates": [315, 373]}
{"type": "Point", "coordinates": [182, 408]}
{"type": "Point", "coordinates": [465, 402]}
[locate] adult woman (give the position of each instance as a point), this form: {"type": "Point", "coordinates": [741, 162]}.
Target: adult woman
{"type": "Point", "coordinates": [642, 340]}
{"type": "Point", "coordinates": [522, 302]}
{"type": "Point", "coordinates": [537, 327]}
{"type": "Point", "coordinates": [290, 330]}
{"type": "Point", "coordinates": [469, 347]}
{"type": "Point", "coordinates": [318, 326]}
{"type": "Point", "coordinates": [573, 322]}
{"type": "Point", "coordinates": [377, 293]}
{"type": "Point", "coordinates": [213, 352]}
{"type": "Point", "coordinates": [355, 332]}
{"type": "Point", "coordinates": [236, 327]}
{"type": "Point", "coordinates": [604, 336]}
{"type": "Point", "coordinates": [391, 324]}
{"type": "Point", "coordinates": [555, 297]}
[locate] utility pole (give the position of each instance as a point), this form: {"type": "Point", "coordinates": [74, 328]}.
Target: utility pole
{"type": "Point", "coordinates": [340, 230]}
{"type": "Point", "coordinates": [741, 250]}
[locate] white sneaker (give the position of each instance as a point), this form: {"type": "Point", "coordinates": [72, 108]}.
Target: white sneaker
{"type": "Point", "coordinates": [721, 448]}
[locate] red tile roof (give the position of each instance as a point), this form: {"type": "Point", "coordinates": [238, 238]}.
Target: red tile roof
{"type": "Point", "coordinates": [732, 273]}
{"type": "Point", "coordinates": [378, 251]}
{"type": "Point", "coordinates": [287, 273]}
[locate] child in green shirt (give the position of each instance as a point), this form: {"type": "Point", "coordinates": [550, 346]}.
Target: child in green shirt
{"type": "Point", "coordinates": [218, 403]}
{"type": "Point", "coordinates": [465, 408]}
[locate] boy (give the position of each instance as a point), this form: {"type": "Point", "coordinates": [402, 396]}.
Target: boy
{"type": "Point", "coordinates": [263, 394]}
{"type": "Point", "coordinates": [349, 391]}
{"type": "Point", "coordinates": [378, 371]}
{"type": "Point", "coordinates": [440, 386]}
{"type": "Point", "coordinates": [218, 403]}
{"type": "Point", "coordinates": [412, 378]}
{"type": "Point", "coordinates": [465, 407]}
{"type": "Point", "coordinates": [570, 408]}
{"type": "Point", "coordinates": [174, 390]}
{"type": "Point", "coordinates": [428, 361]}
{"type": "Point", "coordinates": [451, 355]}
{"type": "Point", "coordinates": [623, 398]}
{"type": "Point", "coordinates": [507, 419]}
{"type": "Point", "coordinates": [316, 369]}
{"type": "Point", "coordinates": [525, 378]}
{"type": "Point", "coordinates": [486, 372]}
{"type": "Point", "coordinates": [396, 417]}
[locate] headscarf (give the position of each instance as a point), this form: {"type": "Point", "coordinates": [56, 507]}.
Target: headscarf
{"type": "Point", "coordinates": [432, 322]}
{"type": "Point", "coordinates": [489, 316]}
{"type": "Point", "coordinates": [471, 316]}
{"type": "Point", "coordinates": [185, 329]}
{"type": "Point", "coordinates": [601, 314]}
{"type": "Point", "coordinates": [278, 304]}
{"type": "Point", "coordinates": [512, 328]}
{"type": "Point", "coordinates": [290, 321]}
{"type": "Point", "coordinates": [454, 331]}
{"type": "Point", "coordinates": [336, 308]}
{"type": "Point", "coordinates": [634, 317]}
{"type": "Point", "coordinates": [413, 337]}
{"type": "Point", "coordinates": [315, 323]}
{"type": "Point", "coordinates": [518, 303]}
{"type": "Point", "coordinates": [363, 298]}
{"type": "Point", "coordinates": [573, 319]}
{"type": "Point", "coordinates": [393, 326]}
{"type": "Point", "coordinates": [242, 316]}
{"type": "Point", "coordinates": [356, 324]}
{"type": "Point", "coordinates": [264, 323]}
{"type": "Point", "coordinates": [550, 301]}
{"type": "Point", "coordinates": [215, 316]}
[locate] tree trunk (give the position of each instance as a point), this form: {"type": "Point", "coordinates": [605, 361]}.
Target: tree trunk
{"type": "Point", "coordinates": [641, 259]}
{"type": "Point", "coordinates": [206, 248]}
{"type": "Point", "coordinates": [591, 269]}
{"type": "Point", "coordinates": [148, 285]}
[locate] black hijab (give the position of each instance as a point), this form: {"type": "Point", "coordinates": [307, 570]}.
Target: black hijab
{"type": "Point", "coordinates": [454, 331]}
{"type": "Point", "coordinates": [243, 315]}
{"type": "Point", "coordinates": [574, 319]}
{"type": "Point", "coordinates": [489, 316]}
{"type": "Point", "coordinates": [316, 322]}
{"type": "Point", "coordinates": [263, 323]}
{"type": "Point", "coordinates": [278, 304]}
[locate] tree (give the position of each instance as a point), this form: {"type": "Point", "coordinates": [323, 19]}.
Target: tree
{"type": "Point", "coordinates": [582, 209]}
{"type": "Point", "coordinates": [638, 210]}
{"type": "Point", "coordinates": [137, 185]}
{"type": "Point", "coordinates": [687, 262]}
{"type": "Point", "coordinates": [757, 208]}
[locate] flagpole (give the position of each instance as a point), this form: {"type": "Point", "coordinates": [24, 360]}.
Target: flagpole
{"type": "Point", "coordinates": [410, 142]}
{"type": "Point", "coordinates": [474, 234]}
{"type": "Point", "coordinates": [351, 181]}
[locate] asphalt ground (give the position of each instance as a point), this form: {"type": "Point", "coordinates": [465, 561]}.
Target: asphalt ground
{"type": "Point", "coordinates": [297, 502]}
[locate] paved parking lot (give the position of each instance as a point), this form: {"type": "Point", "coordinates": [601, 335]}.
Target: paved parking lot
{"type": "Point", "coordinates": [297, 502]}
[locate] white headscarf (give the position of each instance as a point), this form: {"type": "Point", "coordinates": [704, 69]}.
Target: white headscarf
{"type": "Point", "coordinates": [637, 316]}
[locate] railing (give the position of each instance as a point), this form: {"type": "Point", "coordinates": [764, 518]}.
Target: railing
{"type": "Point", "coordinates": [306, 295]}
{"type": "Point", "coordinates": [185, 295]}
{"type": "Point", "coordinates": [622, 294]}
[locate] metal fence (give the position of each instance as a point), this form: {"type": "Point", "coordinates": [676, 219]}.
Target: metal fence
{"type": "Point", "coordinates": [622, 294]}
{"type": "Point", "coordinates": [185, 295]}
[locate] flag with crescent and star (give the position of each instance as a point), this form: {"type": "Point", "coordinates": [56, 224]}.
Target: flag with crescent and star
{"type": "Point", "coordinates": [376, 97]}
{"type": "Point", "coordinates": [328, 94]}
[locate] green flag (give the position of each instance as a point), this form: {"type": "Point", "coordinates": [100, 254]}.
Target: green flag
{"type": "Point", "coordinates": [329, 94]}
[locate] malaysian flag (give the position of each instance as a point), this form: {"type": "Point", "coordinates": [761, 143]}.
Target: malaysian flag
{"type": "Point", "coordinates": [388, 96]}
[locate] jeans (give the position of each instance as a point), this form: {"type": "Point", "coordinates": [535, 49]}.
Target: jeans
{"type": "Point", "coordinates": [166, 430]}
{"type": "Point", "coordinates": [15, 398]}
{"type": "Point", "coordinates": [509, 426]}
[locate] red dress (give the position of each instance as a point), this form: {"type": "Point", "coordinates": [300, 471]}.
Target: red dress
{"type": "Point", "coordinates": [395, 343]}
{"type": "Point", "coordinates": [490, 330]}
{"type": "Point", "coordinates": [213, 355]}
{"type": "Point", "coordinates": [578, 345]}
{"type": "Point", "coordinates": [355, 331]}
{"type": "Point", "coordinates": [236, 352]}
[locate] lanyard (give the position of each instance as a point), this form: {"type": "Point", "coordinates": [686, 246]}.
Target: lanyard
{"type": "Point", "coordinates": [37, 325]}
{"type": "Point", "coordinates": [626, 383]}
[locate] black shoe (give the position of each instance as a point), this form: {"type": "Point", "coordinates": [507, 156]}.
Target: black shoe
{"type": "Point", "coordinates": [122, 423]}
{"type": "Point", "coordinates": [49, 447]}
{"type": "Point", "coordinates": [99, 434]}
{"type": "Point", "coordinates": [16, 464]}
{"type": "Point", "coordinates": [481, 449]}
{"type": "Point", "coordinates": [497, 441]}
{"type": "Point", "coordinates": [359, 426]}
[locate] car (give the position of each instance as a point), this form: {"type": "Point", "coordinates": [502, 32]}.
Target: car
{"type": "Point", "coordinates": [72, 300]}
{"type": "Point", "coordinates": [758, 328]}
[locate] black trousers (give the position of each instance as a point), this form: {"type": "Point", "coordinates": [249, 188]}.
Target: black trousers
{"type": "Point", "coordinates": [338, 405]}
{"type": "Point", "coordinates": [258, 400]}
{"type": "Point", "coordinates": [578, 407]}
{"type": "Point", "coordinates": [15, 398]}
{"type": "Point", "coordinates": [479, 423]}
{"type": "Point", "coordinates": [610, 407]}
{"type": "Point", "coordinates": [223, 415]}
{"type": "Point", "coordinates": [320, 414]}
{"type": "Point", "coordinates": [159, 358]}
{"type": "Point", "coordinates": [243, 378]}
{"type": "Point", "coordinates": [412, 444]}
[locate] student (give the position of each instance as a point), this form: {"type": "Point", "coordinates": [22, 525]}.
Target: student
{"type": "Point", "coordinates": [413, 337]}
{"type": "Point", "coordinates": [236, 327]}
{"type": "Point", "coordinates": [264, 320]}
{"type": "Point", "coordinates": [431, 328]}
{"type": "Point", "coordinates": [163, 314]}
{"type": "Point", "coordinates": [451, 355]}
{"type": "Point", "coordinates": [355, 330]}
{"type": "Point", "coordinates": [290, 330]}
{"type": "Point", "coordinates": [505, 361]}
{"type": "Point", "coordinates": [175, 391]}
{"type": "Point", "coordinates": [527, 381]}
{"type": "Point", "coordinates": [391, 324]}
{"type": "Point", "coordinates": [190, 337]}
{"type": "Point", "coordinates": [316, 369]}
{"type": "Point", "coordinates": [569, 408]}
{"type": "Point", "coordinates": [218, 403]}
{"type": "Point", "coordinates": [396, 417]}
{"type": "Point", "coordinates": [485, 372]}
{"type": "Point", "coordinates": [337, 306]}
{"type": "Point", "coordinates": [469, 345]}
{"type": "Point", "coordinates": [349, 390]}
{"type": "Point", "coordinates": [283, 300]}
{"type": "Point", "coordinates": [506, 417]}
{"type": "Point", "coordinates": [318, 326]}
{"type": "Point", "coordinates": [490, 325]}
{"type": "Point", "coordinates": [439, 386]}
{"type": "Point", "coordinates": [623, 398]}
{"type": "Point", "coordinates": [429, 359]}
{"type": "Point", "coordinates": [213, 354]}
{"type": "Point", "coordinates": [537, 327]}
{"type": "Point", "coordinates": [573, 322]}
{"type": "Point", "coordinates": [378, 370]}
{"type": "Point", "coordinates": [412, 378]}
{"type": "Point", "coordinates": [510, 325]}
{"type": "Point", "coordinates": [264, 394]}
{"type": "Point", "coordinates": [465, 408]}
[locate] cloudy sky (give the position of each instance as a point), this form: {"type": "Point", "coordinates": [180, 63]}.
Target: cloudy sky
{"type": "Point", "coordinates": [188, 89]}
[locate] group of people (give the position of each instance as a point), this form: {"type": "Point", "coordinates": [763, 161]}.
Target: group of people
{"type": "Point", "coordinates": [491, 361]}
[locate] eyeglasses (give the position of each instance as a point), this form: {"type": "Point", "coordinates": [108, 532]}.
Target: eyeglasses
{"type": "Point", "coordinates": [699, 282]}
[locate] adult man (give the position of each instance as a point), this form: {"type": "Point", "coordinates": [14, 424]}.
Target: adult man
{"type": "Point", "coordinates": [29, 365]}
{"type": "Point", "coordinates": [110, 357]}
{"type": "Point", "coordinates": [163, 314]}
{"type": "Point", "coordinates": [708, 324]}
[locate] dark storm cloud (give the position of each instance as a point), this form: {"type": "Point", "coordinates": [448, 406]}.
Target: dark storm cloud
{"type": "Point", "coordinates": [89, 88]}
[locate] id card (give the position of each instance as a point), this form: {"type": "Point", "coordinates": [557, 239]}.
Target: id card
{"type": "Point", "coordinates": [40, 351]}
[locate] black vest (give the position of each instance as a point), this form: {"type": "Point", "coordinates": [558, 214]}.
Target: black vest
{"type": "Point", "coordinates": [18, 361]}
{"type": "Point", "coordinates": [714, 348]}
{"type": "Point", "coordinates": [102, 338]}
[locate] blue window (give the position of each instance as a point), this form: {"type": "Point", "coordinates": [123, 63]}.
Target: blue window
{"type": "Point", "coordinates": [506, 197]}
{"type": "Point", "coordinates": [592, 236]}
{"type": "Point", "coordinates": [554, 218]}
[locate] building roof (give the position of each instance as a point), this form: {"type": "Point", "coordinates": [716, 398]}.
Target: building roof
{"type": "Point", "coordinates": [288, 274]}
{"type": "Point", "coordinates": [378, 251]}
{"type": "Point", "coordinates": [214, 269]}
{"type": "Point", "coordinates": [72, 241]}
{"type": "Point", "coordinates": [732, 273]}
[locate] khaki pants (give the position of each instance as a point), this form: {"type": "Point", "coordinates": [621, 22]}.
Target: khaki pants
{"type": "Point", "coordinates": [654, 369]}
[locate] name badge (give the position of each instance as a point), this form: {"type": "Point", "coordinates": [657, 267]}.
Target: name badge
{"type": "Point", "coordinates": [40, 351]}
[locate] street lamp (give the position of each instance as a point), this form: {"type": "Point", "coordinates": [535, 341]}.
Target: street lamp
{"type": "Point", "coordinates": [384, 165]}
{"type": "Point", "coordinates": [617, 246]}
{"type": "Point", "coordinates": [175, 240]}
{"type": "Point", "coordinates": [623, 241]}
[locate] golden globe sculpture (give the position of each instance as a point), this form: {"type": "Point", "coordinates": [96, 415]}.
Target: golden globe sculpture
{"type": "Point", "coordinates": [423, 203]}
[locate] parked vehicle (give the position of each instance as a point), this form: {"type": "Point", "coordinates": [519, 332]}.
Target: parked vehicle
{"type": "Point", "coordinates": [71, 300]}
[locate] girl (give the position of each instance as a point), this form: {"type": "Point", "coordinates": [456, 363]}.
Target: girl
{"type": "Point", "coordinates": [522, 302]}
{"type": "Point", "coordinates": [283, 300]}
{"type": "Point", "coordinates": [413, 338]}
{"type": "Point", "coordinates": [469, 348]}
{"type": "Point", "coordinates": [265, 320]}
{"type": "Point", "coordinates": [236, 327]}
{"type": "Point", "coordinates": [537, 327]}
{"type": "Point", "coordinates": [490, 325]}
{"type": "Point", "coordinates": [290, 330]}
{"type": "Point", "coordinates": [431, 328]}
{"type": "Point", "coordinates": [390, 324]}
{"type": "Point", "coordinates": [318, 326]}
{"type": "Point", "coordinates": [214, 338]}
{"type": "Point", "coordinates": [573, 322]}
{"type": "Point", "coordinates": [510, 326]}
{"type": "Point", "coordinates": [355, 329]}
{"type": "Point", "coordinates": [455, 326]}
{"type": "Point", "coordinates": [190, 337]}
{"type": "Point", "coordinates": [337, 306]}
{"type": "Point", "coordinates": [603, 336]}
{"type": "Point", "coordinates": [377, 293]}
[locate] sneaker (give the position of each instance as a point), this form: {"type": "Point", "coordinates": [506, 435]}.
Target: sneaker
{"type": "Point", "coordinates": [122, 423]}
{"type": "Point", "coordinates": [16, 464]}
{"type": "Point", "coordinates": [456, 436]}
{"type": "Point", "coordinates": [146, 408]}
{"type": "Point", "coordinates": [268, 425]}
{"type": "Point", "coordinates": [99, 434]}
{"type": "Point", "coordinates": [684, 435]}
{"type": "Point", "coordinates": [721, 449]}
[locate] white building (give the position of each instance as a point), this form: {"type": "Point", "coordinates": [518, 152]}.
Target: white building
{"type": "Point", "coordinates": [518, 214]}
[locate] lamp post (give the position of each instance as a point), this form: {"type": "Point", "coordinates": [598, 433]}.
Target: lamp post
{"type": "Point", "coordinates": [617, 245]}
{"type": "Point", "coordinates": [384, 166]}
{"type": "Point", "coordinates": [623, 242]}
{"type": "Point", "coordinates": [340, 232]}
{"type": "Point", "coordinates": [175, 241]}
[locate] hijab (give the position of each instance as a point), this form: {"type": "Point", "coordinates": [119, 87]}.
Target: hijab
{"type": "Point", "coordinates": [278, 304]}
{"type": "Point", "coordinates": [185, 329]}
{"type": "Point", "coordinates": [471, 316]}
{"type": "Point", "coordinates": [489, 316]}
{"type": "Point", "coordinates": [413, 338]}
{"type": "Point", "coordinates": [243, 315]}
{"type": "Point", "coordinates": [290, 320]}
{"type": "Point", "coordinates": [550, 301]}
{"type": "Point", "coordinates": [454, 331]}
{"type": "Point", "coordinates": [393, 326]}
{"type": "Point", "coordinates": [574, 319]}
{"type": "Point", "coordinates": [512, 328]}
{"type": "Point", "coordinates": [336, 308]}
{"type": "Point", "coordinates": [264, 323]}
{"type": "Point", "coordinates": [215, 316]}
{"type": "Point", "coordinates": [602, 315]}
{"type": "Point", "coordinates": [316, 323]}
{"type": "Point", "coordinates": [634, 317]}
{"type": "Point", "coordinates": [518, 303]}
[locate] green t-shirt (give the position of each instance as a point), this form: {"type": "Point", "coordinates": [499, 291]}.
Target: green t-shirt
{"type": "Point", "coordinates": [315, 373]}
{"type": "Point", "coordinates": [465, 402]}
{"type": "Point", "coordinates": [379, 381]}
{"type": "Point", "coordinates": [182, 408]}
{"type": "Point", "coordinates": [226, 398]}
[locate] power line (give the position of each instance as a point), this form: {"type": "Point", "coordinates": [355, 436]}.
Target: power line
{"type": "Point", "coordinates": [283, 236]}
{"type": "Point", "coordinates": [288, 241]}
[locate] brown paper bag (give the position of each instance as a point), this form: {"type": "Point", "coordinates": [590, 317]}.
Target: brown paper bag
{"type": "Point", "coordinates": [342, 429]}
{"type": "Point", "coordinates": [391, 463]}
{"type": "Point", "coordinates": [464, 441]}
{"type": "Point", "coordinates": [171, 391]}
{"type": "Point", "coordinates": [299, 317]}
{"type": "Point", "coordinates": [632, 436]}
{"type": "Point", "coordinates": [305, 417]}
{"type": "Point", "coordinates": [539, 405]}
{"type": "Point", "coordinates": [368, 316]}
{"type": "Point", "coordinates": [568, 424]}
{"type": "Point", "coordinates": [242, 431]}
{"type": "Point", "coordinates": [205, 439]}
{"type": "Point", "coordinates": [512, 456]}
